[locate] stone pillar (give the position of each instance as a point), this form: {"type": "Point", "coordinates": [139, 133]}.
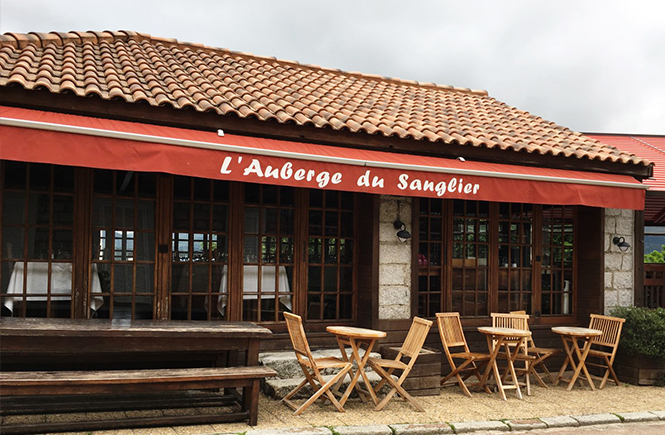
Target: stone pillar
{"type": "Point", "coordinates": [394, 260]}
{"type": "Point", "coordinates": [619, 266]}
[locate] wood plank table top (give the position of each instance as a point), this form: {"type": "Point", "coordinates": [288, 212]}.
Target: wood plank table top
{"type": "Point", "coordinates": [576, 331]}
{"type": "Point", "coordinates": [358, 333]}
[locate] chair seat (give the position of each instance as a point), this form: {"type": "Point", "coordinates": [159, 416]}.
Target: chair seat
{"type": "Point", "coordinates": [599, 353]}
{"type": "Point", "coordinates": [389, 363]}
{"type": "Point", "coordinates": [329, 362]}
{"type": "Point", "coordinates": [476, 356]}
{"type": "Point", "coordinates": [548, 350]}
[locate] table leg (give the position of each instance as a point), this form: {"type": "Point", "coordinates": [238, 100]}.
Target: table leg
{"type": "Point", "coordinates": [492, 366]}
{"type": "Point", "coordinates": [581, 366]}
{"type": "Point", "coordinates": [361, 366]}
{"type": "Point", "coordinates": [511, 359]}
{"type": "Point", "coordinates": [569, 359]}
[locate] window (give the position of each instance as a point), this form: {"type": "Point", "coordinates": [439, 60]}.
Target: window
{"type": "Point", "coordinates": [158, 246]}
{"type": "Point", "coordinates": [123, 244]}
{"type": "Point", "coordinates": [477, 257]}
{"type": "Point", "coordinates": [557, 260]}
{"type": "Point", "coordinates": [37, 239]}
{"type": "Point", "coordinates": [515, 259]}
{"type": "Point", "coordinates": [654, 244]}
{"type": "Point", "coordinates": [199, 247]}
{"type": "Point", "coordinates": [330, 255]}
{"type": "Point", "coordinates": [268, 252]}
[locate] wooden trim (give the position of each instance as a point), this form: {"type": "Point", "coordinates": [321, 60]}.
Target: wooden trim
{"type": "Point", "coordinates": [236, 222]}
{"type": "Point", "coordinates": [638, 258]}
{"type": "Point", "coordinates": [82, 255]}
{"type": "Point", "coordinates": [163, 233]}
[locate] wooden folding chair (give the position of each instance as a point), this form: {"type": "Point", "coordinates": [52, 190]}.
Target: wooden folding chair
{"type": "Point", "coordinates": [312, 368]}
{"type": "Point", "coordinates": [411, 347]}
{"type": "Point", "coordinates": [541, 353]}
{"type": "Point", "coordinates": [605, 346]}
{"type": "Point", "coordinates": [452, 337]}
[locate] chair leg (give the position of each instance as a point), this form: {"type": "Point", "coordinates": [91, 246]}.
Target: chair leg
{"type": "Point", "coordinates": [324, 389]}
{"type": "Point", "coordinates": [397, 388]}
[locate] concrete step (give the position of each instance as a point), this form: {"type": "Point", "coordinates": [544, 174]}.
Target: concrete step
{"type": "Point", "coordinates": [286, 364]}
{"type": "Point", "coordinates": [278, 388]}
{"type": "Point", "coordinates": [290, 373]}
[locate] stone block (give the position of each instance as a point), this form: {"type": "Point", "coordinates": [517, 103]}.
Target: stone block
{"type": "Point", "coordinates": [612, 212]}
{"type": "Point", "coordinates": [632, 417]}
{"type": "Point", "coordinates": [623, 280]}
{"type": "Point", "coordinates": [613, 261]}
{"type": "Point", "coordinates": [474, 426]}
{"type": "Point", "coordinates": [377, 429]}
{"type": "Point", "coordinates": [626, 298]}
{"type": "Point", "coordinates": [560, 421]}
{"type": "Point", "coordinates": [624, 227]}
{"type": "Point", "coordinates": [587, 420]}
{"type": "Point", "coordinates": [395, 312]}
{"type": "Point", "coordinates": [421, 429]}
{"type": "Point", "coordinates": [394, 295]}
{"type": "Point", "coordinates": [394, 274]}
{"type": "Point", "coordinates": [400, 253]}
{"type": "Point", "coordinates": [609, 282]}
{"type": "Point", "coordinates": [291, 431]}
{"type": "Point", "coordinates": [659, 414]}
{"type": "Point", "coordinates": [610, 226]}
{"type": "Point", "coordinates": [529, 424]}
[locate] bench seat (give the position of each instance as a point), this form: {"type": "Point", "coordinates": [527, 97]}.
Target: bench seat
{"type": "Point", "coordinates": [106, 382]}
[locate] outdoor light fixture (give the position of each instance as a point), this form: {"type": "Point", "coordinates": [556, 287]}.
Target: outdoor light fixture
{"type": "Point", "coordinates": [621, 243]}
{"type": "Point", "coordinates": [402, 234]}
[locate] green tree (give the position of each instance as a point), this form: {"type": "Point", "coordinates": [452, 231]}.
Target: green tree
{"type": "Point", "coordinates": [655, 256]}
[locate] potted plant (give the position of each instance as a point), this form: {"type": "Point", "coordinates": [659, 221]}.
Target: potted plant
{"type": "Point", "coordinates": [641, 356]}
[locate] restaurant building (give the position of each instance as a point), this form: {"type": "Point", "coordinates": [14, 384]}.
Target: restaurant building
{"type": "Point", "coordinates": [144, 177]}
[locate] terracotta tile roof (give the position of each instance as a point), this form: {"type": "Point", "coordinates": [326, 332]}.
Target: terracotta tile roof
{"type": "Point", "coordinates": [651, 148]}
{"type": "Point", "coordinates": [136, 67]}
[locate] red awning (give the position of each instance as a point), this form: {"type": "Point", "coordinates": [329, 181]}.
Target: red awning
{"type": "Point", "coordinates": [47, 137]}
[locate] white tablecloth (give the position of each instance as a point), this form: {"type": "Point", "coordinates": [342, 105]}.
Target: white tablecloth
{"type": "Point", "coordinates": [250, 285]}
{"type": "Point", "coordinates": [37, 284]}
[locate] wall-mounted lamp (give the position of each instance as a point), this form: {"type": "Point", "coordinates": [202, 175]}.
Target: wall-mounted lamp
{"type": "Point", "coordinates": [402, 234]}
{"type": "Point", "coordinates": [621, 243]}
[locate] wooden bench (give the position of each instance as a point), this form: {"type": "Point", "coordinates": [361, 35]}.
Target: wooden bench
{"type": "Point", "coordinates": [128, 382]}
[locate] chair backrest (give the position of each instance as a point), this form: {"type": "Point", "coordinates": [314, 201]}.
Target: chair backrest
{"type": "Point", "coordinates": [416, 336]}
{"type": "Point", "coordinates": [611, 327]}
{"type": "Point", "coordinates": [530, 339]}
{"type": "Point", "coordinates": [450, 330]}
{"type": "Point", "coordinates": [297, 334]}
{"type": "Point", "coordinates": [514, 321]}
{"type": "Point", "coordinates": [510, 320]}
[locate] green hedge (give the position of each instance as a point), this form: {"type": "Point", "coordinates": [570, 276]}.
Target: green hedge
{"type": "Point", "coordinates": [644, 331]}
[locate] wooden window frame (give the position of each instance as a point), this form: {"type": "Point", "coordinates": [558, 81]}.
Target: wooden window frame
{"type": "Point", "coordinates": [445, 267]}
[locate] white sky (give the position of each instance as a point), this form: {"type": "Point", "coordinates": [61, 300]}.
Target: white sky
{"type": "Point", "coordinates": [592, 66]}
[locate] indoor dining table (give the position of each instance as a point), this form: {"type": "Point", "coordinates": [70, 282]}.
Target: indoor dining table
{"type": "Point", "coordinates": [356, 338]}
{"type": "Point", "coordinates": [571, 336]}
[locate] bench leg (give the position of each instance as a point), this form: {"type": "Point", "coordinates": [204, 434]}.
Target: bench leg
{"type": "Point", "coordinates": [250, 401]}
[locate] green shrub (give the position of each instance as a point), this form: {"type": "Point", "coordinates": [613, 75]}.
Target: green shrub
{"type": "Point", "coordinates": [644, 331]}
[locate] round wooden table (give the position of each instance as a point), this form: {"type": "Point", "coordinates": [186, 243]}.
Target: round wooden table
{"type": "Point", "coordinates": [571, 335]}
{"type": "Point", "coordinates": [503, 337]}
{"type": "Point", "coordinates": [355, 338]}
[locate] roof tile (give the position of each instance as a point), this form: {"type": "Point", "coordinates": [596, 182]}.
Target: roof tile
{"type": "Point", "coordinates": [137, 67]}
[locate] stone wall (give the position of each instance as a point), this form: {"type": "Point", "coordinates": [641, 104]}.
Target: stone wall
{"type": "Point", "coordinates": [394, 260]}
{"type": "Point", "coordinates": [619, 267]}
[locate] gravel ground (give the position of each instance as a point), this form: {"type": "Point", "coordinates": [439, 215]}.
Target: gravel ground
{"type": "Point", "coordinates": [450, 406]}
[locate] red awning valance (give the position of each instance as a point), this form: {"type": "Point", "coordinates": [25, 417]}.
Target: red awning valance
{"type": "Point", "coordinates": [47, 137]}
